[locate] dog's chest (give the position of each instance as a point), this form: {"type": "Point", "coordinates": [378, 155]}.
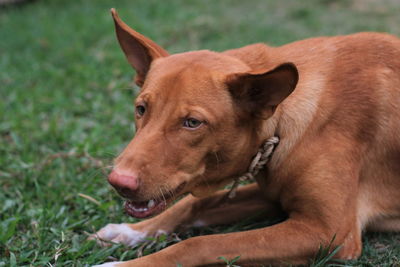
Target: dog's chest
{"type": "Point", "coordinates": [269, 187]}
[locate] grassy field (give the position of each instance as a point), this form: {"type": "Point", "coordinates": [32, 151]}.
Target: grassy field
{"type": "Point", "coordinates": [66, 109]}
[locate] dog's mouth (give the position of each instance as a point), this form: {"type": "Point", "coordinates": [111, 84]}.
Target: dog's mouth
{"type": "Point", "coordinates": [154, 206]}
{"type": "Point", "coordinates": [145, 209]}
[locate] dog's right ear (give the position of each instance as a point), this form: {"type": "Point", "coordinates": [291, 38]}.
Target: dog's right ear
{"type": "Point", "coordinates": [139, 50]}
{"type": "Point", "coordinates": [258, 93]}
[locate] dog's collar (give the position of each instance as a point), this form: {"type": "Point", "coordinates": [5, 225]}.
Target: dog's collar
{"type": "Point", "coordinates": [259, 161]}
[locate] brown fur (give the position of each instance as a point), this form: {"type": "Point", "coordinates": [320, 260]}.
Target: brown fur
{"type": "Point", "coordinates": [335, 172]}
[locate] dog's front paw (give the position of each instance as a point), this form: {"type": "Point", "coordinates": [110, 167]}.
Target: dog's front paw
{"type": "Point", "coordinates": [109, 264]}
{"type": "Point", "coordinates": [119, 233]}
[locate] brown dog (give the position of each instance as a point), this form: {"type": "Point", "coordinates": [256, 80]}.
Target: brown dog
{"type": "Point", "coordinates": [201, 116]}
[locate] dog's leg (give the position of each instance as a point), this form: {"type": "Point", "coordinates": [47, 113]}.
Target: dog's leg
{"type": "Point", "coordinates": [219, 209]}
{"type": "Point", "coordinates": [321, 207]}
{"type": "Point", "coordinates": [385, 225]}
{"type": "Point", "coordinates": [191, 212]}
{"type": "Point", "coordinates": [291, 242]}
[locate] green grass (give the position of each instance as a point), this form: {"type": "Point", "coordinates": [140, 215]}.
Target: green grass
{"type": "Point", "coordinates": [66, 110]}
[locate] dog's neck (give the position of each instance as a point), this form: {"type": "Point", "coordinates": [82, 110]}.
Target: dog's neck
{"type": "Point", "coordinates": [259, 162]}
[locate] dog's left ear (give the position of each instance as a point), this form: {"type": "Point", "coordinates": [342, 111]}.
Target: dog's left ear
{"type": "Point", "coordinates": [139, 50]}
{"type": "Point", "coordinates": [258, 93]}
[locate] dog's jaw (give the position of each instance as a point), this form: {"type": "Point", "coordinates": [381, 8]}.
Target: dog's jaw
{"type": "Point", "coordinates": [206, 189]}
{"type": "Point", "coordinates": [145, 209]}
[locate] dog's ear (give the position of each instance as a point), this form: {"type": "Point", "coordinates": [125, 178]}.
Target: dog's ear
{"type": "Point", "coordinates": [139, 50]}
{"type": "Point", "coordinates": [258, 93]}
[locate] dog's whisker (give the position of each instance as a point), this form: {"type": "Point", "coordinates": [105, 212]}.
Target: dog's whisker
{"type": "Point", "coordinates": [217, 158]}
{"type": "Point", "coordinates": [162, 194]}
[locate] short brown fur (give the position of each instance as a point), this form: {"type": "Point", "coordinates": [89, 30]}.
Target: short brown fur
{"type": "Point", "coordinates": [335, 172]}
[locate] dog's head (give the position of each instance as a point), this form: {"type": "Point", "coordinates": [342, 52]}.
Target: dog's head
{"type": "Point", "coordinates": [198, 117]}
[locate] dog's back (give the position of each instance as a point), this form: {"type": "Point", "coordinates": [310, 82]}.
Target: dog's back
{"type": "Point", "coordinates": [349, 88]}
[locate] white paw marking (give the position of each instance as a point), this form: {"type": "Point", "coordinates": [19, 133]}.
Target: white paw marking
{"type": "Point", "coordinates": [108, 264]}
{"type": "Point", "coordinates": [161, 232]}
{"type": "Point", "coordinates": [120, 233]}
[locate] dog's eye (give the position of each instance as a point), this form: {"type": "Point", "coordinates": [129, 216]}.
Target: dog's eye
{"type": "Point", "coordinates": [140, 110]}
{"type": "Point", "coordinates": [192, 123]}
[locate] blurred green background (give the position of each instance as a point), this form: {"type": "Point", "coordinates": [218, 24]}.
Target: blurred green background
{"type": "Point", "coordinates": [66, 109]}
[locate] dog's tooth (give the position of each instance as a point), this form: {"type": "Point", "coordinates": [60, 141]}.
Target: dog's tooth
{"type": "Point", "coordinates": [140, 208]}
{"type": "Point", "coordinates": [151, 204]}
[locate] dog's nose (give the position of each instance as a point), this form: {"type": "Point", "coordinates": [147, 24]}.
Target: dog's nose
{"type": "Point", "coordinates": [126, 185]}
